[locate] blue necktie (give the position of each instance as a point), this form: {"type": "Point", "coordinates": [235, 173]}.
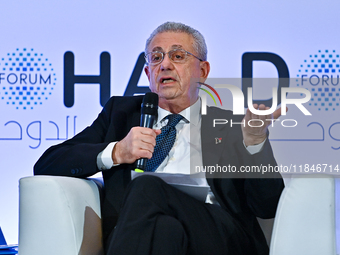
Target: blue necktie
{"type": "Point", "coordinates": [164, 142]}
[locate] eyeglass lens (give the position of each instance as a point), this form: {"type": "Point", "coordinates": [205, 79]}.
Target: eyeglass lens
{"type": "Point", "coordinates": [175, 55]}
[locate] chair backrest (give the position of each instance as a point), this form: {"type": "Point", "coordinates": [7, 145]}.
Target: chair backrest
{"type": "Point", "coordinates": [305, 221]}
{"type": "Point", "coordinates": [59, 215]}
{"type": "Point", "coordinates": [2, 238]}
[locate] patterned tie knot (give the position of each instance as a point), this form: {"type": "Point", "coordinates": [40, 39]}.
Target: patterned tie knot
{"type": "Point", "coordinates": [173, 119]}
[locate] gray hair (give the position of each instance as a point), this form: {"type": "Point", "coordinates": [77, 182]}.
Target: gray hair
{"type": "Point", "coordinates": [199, 42]}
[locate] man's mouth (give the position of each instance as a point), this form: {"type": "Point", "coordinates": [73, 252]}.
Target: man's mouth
{"type": "Point", "coordinates": [167, 80]}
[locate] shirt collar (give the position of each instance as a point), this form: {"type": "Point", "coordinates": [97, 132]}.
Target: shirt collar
{"type": "Point", "coordinates": [191, 114]}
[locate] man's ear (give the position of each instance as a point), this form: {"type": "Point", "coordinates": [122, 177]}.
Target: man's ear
{"type": "Point", "coordinates": [205, 69]}
{"type": "Point", "coordinates": [147, 72]}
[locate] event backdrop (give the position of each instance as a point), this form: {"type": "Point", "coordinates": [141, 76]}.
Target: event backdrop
{"type": "Point", "coordinates": [44, 101]}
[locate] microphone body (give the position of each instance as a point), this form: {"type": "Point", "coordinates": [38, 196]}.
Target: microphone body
{"type": "Point", "coordinates": [147, 119]}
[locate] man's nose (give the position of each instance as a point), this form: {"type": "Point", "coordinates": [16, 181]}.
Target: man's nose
{"type": "Point", "coordinates": [167, 63]}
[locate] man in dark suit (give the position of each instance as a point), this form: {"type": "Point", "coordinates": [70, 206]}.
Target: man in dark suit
{"type": "Point", "coordinates": [148, 216]}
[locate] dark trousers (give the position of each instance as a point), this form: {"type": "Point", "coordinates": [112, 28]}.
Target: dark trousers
{"type": "Point", "coordinates": [156, 218]}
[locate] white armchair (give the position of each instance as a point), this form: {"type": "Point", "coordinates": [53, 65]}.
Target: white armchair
{"type": "Point", "coordinates": [59, 215]}
{"type": "Point", "coordinates": [305, 218]}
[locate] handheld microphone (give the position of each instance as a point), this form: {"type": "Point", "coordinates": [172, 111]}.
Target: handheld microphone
{"type": "Point", "coordinates": [147, 118]}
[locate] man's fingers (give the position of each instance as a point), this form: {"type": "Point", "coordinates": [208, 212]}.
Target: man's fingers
{"type": "Point", "coordinates": [147, 144]}
{"type": "Point", "coordinates": [277, 113]}
{"type": "Point", "coordinates": [146, 131]}
{"type": "Point", "coordinates": [145, 152]}
{"type": "Point", "coordinates": [139, 143]}
{"type": "Point", "coordinates": [250, 115]}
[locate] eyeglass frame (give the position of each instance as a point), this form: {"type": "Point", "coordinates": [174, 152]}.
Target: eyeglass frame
{"type": "Point", "coordinates": [164, 53]}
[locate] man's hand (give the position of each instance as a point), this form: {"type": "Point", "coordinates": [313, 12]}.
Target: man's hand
{"type": "Point", "coordinates": [257, 134]}
{"type": "Point", "coordinates": [139, 143]}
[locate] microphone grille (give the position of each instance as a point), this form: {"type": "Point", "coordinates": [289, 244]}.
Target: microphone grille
{"type": "Point", "coordinates": [150, 103]}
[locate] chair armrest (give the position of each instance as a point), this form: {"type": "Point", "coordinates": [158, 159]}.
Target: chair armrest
{"type": "Point", "coordinates": [59, 215]}
{"type": "Point", "coordinates": [305, 220]}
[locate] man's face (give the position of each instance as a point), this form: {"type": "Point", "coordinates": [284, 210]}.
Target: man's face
{"type": "Point", "coordinates": [176, 83]}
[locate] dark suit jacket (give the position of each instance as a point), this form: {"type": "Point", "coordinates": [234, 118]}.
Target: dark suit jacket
{"type": "Point", "coordinates": [245, 198]}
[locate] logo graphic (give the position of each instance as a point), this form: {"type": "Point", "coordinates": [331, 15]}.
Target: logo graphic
{"type": "Point", "coordinates": [320, 75]}
{"type": "Point", "coordinates": [218, 140]}
{"type": "Point", "coordinates": [27, 79]}
{"type": "Point", "coordinates": [103, 79]}
{"type": "Point", "coordinates": [248, 61]}
{"type": "Point", "coordinates": [213, 90]}
{"type": "Point", "coordinates": [238, 99]}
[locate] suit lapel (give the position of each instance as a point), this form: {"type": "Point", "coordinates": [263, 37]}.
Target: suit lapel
{"type": "Point", "coordinates": [213, 139]}
{"type": "Point", "coordinates": [134, 118]}
{"type": "Point", "coordinates": [135, 121]}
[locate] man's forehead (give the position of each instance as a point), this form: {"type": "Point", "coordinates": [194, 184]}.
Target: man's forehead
{"type": "Point", "coordinates": [174, 46]}
{"type": "Point", "coordinates": [171, 40]}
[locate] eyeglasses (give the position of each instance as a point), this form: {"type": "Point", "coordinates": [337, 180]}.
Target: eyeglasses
{"type": "Point", "coordinates": [176, 56]}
